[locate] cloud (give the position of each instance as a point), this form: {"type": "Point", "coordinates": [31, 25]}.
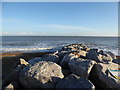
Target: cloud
{"type": "Point", "coordinates": [17, 33]}
{"type": "Point", "coordinates": [44, 33]}
{"type": "Point", "coordinates": [66, 27]}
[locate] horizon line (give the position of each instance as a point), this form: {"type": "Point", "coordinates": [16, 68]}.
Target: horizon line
{"type": "Point", "coordinates": [60, 36]}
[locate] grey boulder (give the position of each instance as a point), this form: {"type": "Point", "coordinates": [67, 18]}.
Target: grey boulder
{"type": "Point", "coordinates": [99, 56]}
{"type": "Point", "coordinates": [66, 59]}
{"type": "Point", "coordinates": [34, 60]}
{"type": "Point", "coordinates": [101, 77]}
{"type": "Point", "coordinates": [41, 75]}
{"type": "Point", "coordinates": [81, 67]}
{"type": "Point", "coordinates": [73, 81]}
{"type": "Point", "coordinates": [51, 58]}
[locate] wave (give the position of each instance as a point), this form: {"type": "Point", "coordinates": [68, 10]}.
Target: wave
{"type": "Point", "coordinates": [23, 49]}
{"type": "Point", "coordinates": [104, 48]}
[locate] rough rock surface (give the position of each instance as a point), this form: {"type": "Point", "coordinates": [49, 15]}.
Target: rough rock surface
{"type": "Point", "coordinates": [63, 53]}
{"type": "Point", "coordinates": [73, 81]}
{"type": "Point", "coordinates": [34, 60]}
{"type": "Point", "coordinates": [78, 64]}
{"type": "Point", "coordinates": [100, 56]}
{"type": "Point", "coordinates": [66, 72]}
{"type": "Point", "coordinates": [111, 54]}
{"type": "Point", "coordinates": [66, 59]}
{"type": "Point", "coordinates": [101, 77]}
{"type": "Point", "coordinates": [13, 76]}
{"type": "Point", "coordinates": [82, 53]}
{"type": "Point", "coordinates": [81, 67]}
{"type": "Point", "coordinates": [41, 75]}
{"type": "Point", "coordinates": [51, 57]}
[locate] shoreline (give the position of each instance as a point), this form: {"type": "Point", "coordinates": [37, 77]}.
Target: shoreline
{"type": "Point", "coordinates": [80, 56]}
{"type": "Point", "coordinates": [9, 58]}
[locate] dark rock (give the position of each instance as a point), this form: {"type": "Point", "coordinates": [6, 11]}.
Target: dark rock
{"type": "Point", "coordinates": [102, 52]}
{"type": "Point", "coordinates": [100, 56]}
{"type": "Point", "coordinates": [10, 86]}
{"type": "Point", "coordinates": [92, 54]}
{"type": "Point", "coordinates": [101, 78]}
{"type": "Point", "coordinates": [106, 58]}
{"type": "Point", "coordinates": [81, 67]}
{"type": "Point", "coordinates": [66, 59]}
{"type": "Point", "coordinates": [51, 58]}
{"type": "Point", "coordinates": [69, 48]}
{"type": "Point", "coordinates": [73, 81]}
{"type": "Point", "coordinates": [41, 75]}
{"type": "Point", "coordinates": [116, 61]}
{"type": "Point", "coordinates": [12, 77]}
{"type": "Point", "coordinates": [66, 72]}
{"type": "Point", "coordinates": [63, 53]}
{"type": "Point", "coordinates": [112, 55]}
{"type": "Point", "coordinates": [13, 86]}
{"type": "Point", "coordinates": [16, 85]}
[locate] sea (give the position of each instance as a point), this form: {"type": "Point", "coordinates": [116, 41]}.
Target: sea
{"type": "Point", "coordinates": [34, 43]}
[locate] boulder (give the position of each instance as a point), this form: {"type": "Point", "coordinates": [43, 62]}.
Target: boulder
{"type": "Point", "coordinates": [117, 57]}
{"type": "Point", "coordinates": [100, 56]}
{"type": "Point", "coordinates": [13, 86]}
{"type": "Point", "coordinates": [41, 75]}
{"type": "Point", "coordinates": [102, 52]}
{"type": "Point", "coordinates": [69, 48]}
{"type": "Point", "coordinates": [101, 77]}
{"type": "Point", "coordinates": [111, 54]}
{"type": "Point", "coordinates": [34, 60]}
{"type": "Point", "coordinates": [51, 58]}
{"type": "Point", "coordinates": [12, 76]}
{"type": "Point", "coordinates": [23, 62]}
{"type": "Point", "coordinates": [106, 58]}
{"type": "Point", "coordinates": [63, 53]}
{"type": "Point", "coordinates": [73, 81]}
{"type": "Point", "coordinates": [92, 54]}
{"type": "Point", "coordinates": [81, 67]}
{"type": "Point", "coordinates": [10, 86]}
{"type": "Point", "coordinates": [116, 61]}
{"type": "Point", "coordinates": [107, 55]}
{"type": "Point", "coordinates": [66, 72]}
{"type": "Point", "coordinates": [82, 53]}
{"type": "Point", "coordinates": [85, 48]}
{"type": "Point", "coordinates": [66, 59]}
{"type": "Point", "coordinates": [16, 85]}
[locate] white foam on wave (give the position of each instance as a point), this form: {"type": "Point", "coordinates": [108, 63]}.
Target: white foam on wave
{"type": "Point", "coordinates": [106, 48]}
{"type": "Point", "coordinates": [23, 49]}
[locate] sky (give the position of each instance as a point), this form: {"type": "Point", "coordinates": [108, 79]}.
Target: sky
{"type": "Point", "coordinates": [59, 19]}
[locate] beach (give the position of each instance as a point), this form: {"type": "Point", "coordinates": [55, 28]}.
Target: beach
{"type": "Point", "coordinates": [97, 53]}
{"type": "Point", "coordinates": [11, 61]}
